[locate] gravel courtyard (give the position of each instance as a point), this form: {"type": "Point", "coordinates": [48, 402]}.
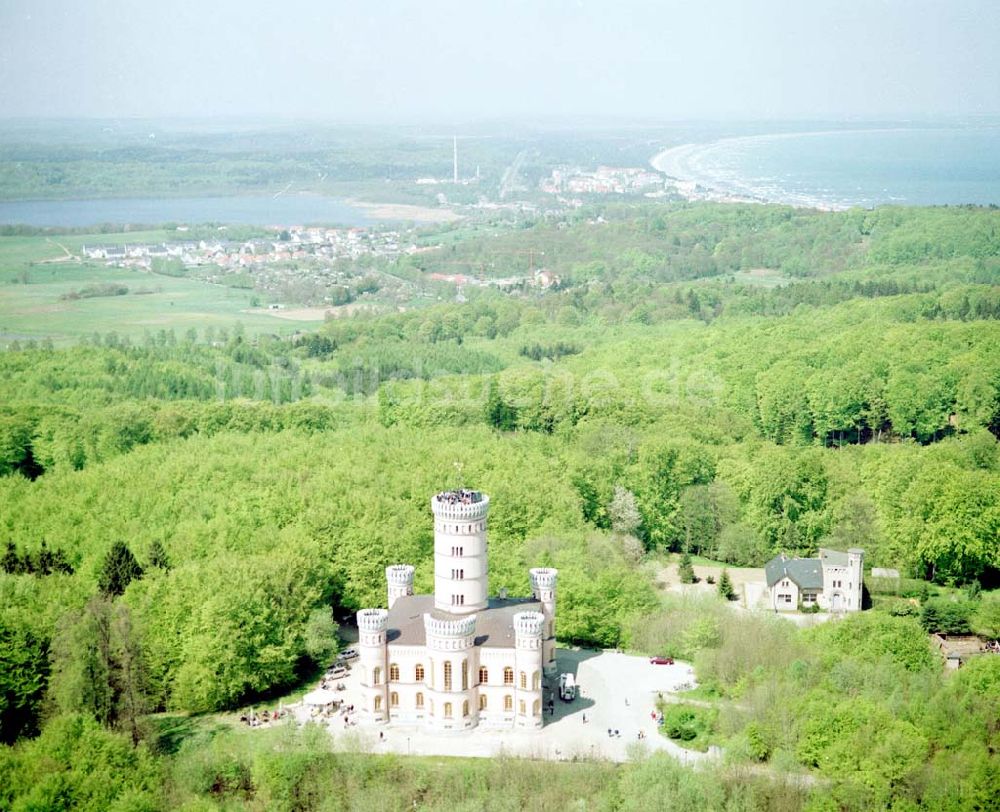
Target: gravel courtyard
{"type": "Point", "coordinates": [616, 691]}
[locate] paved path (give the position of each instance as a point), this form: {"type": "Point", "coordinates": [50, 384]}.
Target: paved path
{"type": "Point", "coordinates": [617, 692]}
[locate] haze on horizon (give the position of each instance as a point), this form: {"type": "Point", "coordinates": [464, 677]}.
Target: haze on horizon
{"type": "Point", "coordinates": [436, 60]}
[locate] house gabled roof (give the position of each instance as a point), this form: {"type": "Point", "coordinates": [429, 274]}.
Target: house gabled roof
{"type": "Point", "coordinates": [806, 573]}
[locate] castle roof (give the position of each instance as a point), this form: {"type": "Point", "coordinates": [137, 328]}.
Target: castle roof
{"type": "Point", "coordinates": [494, 625]}
{"type": "Point", "coordinates": [807, 573]}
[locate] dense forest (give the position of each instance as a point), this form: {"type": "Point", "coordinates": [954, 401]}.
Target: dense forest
{"type": "Point", "coordinates": [189, 511]}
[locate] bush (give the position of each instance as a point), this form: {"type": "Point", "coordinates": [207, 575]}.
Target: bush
{"type": "Point", "coordinates": [944, 616]}
{"type": "Point", "coordinates": [687, 723]}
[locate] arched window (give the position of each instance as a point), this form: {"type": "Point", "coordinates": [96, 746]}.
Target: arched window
{"type": "Point", "coordinates": [418, 672]}
{"type": "Point", "coordinates": [378, 704]}
{"type": "Point", "coordinates": [465, 708]}
{"type": "Point", "coordinates": [420, 699]}
{"type": "Point", "coordinates": [482, 702]}
{"type": "Point", "coordinates": [447, 675]}
{"type": "Point", "coordinates": [447, 710]}
{"type": "Point", "coordinates": [520, 707]}
{"type": "Point", "coordinates": [394, 673]}
{"type": "Point", "coordinates": [536, 681]}
{"type": "Point", "coordinates": [508, 702]}
{"type": "Point", "coordinates": [376, 675]}
{"type": "Point", "coordinates": [524, 681]}
{"type": "Point", "coordinates": [508, 676]}
{"type": "Point", "coordinates": [465, 675]}
{"type": "Point", "coordinates": [536, 709]}
{"type": "Point", "coordinates": [484, 675]}
{"type": "Point", "coordinates": [393, 700]}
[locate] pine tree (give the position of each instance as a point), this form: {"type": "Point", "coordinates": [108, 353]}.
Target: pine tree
{"type": "Point", "coordinates": [119, 570]}
{"type": "Point", "coordinates": [43, 561]}
{"type": "Point", "coordinates": [11, 561]}
{"type": "Point", "coordinates": [726, 586]}
{"type": "Point", "coordinates": [685, 569]}
{"type": "Point", "coordinates": [158, 555]}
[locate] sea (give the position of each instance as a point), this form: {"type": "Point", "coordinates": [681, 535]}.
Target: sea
{"type": "Point", "coordinates": [281, 210]}
{"type": "Point", "coordinates": [837, 169]}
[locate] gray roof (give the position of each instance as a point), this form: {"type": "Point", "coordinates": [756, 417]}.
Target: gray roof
{"type": "Point", "coordinates": [807, 573]}
{"type": "Point", "coordinates": [494, 625]}
{"type": "Point", "coordinates": [833, 558]}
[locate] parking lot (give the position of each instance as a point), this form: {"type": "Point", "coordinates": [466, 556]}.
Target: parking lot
{"type": "Point", "coordinates": [617, 692]}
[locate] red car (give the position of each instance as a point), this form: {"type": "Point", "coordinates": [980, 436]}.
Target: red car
{"type": "Point", "coordinates": [661, 660]}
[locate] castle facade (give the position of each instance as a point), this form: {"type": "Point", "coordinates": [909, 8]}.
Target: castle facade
{"type": "Point", "coordinates": [459, 658]}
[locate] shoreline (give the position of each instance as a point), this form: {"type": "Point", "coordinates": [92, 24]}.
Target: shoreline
{"type": "Point", "coordinates": [694, 182]}
{"type": "Point", "coordinates": [404, 211]}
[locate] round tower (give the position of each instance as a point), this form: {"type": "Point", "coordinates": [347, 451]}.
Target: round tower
{"type": "Point", "coordinates": [461, 583]}
{"type": "Point", "coordinates": [399, 579]}
{"type": "Point", "coordinates": [543, 589]}
{"type": "Point", "coordinates": [372, 653]}
{"type": "Point", "coordinates": [529, 629]}
{"type": "Point", "coordinates": [453, 665]}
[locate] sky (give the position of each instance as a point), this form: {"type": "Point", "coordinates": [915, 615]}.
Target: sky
{"type": "Point", "coordinates": [394, 61]}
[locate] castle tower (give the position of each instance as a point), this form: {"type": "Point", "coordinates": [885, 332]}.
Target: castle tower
{"type": "Point", "coordinates": [399, 578]}
{"type": "Point", "coordinates": [529, 628]}
{"type": "Point", "coordinates": [543, 588]}
{"type": "Point", "coordinates": [372, 654]}
{"type": "Point", "coordinates": [461, 583]}
{"type": "Point", "coordinates": [453, 666]}
{"type": "Point", "coordinates": [855, 578]}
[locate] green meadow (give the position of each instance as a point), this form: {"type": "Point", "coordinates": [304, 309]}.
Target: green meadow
{"type": "Point", "coordinates": [34, 282]}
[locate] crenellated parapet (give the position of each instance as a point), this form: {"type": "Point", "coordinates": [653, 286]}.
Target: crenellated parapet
{"type": "Point", "coordinates": [373, 620]}
{"type": "Point", "coordinates": [529, 628]}
{"type": "Point", "coordinates": [460, 505]}
{"type": "Point", "coordinates": [399, 581]}
{"type": "Point", "coordinates": [450, 634]}
{"type": "Point", "coordinates": [543, 578]}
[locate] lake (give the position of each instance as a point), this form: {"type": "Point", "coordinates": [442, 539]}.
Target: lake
{"type": "Point", "coordinates": [283, 210]}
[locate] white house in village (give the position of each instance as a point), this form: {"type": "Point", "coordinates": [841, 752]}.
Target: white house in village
{"type": "Point", "coordinates": [833, 581]}
{"type": "Point", "coordinates": [459, 658]}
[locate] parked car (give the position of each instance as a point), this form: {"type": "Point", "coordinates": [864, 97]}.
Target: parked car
{"type": "Point", "coordinates": [662, 660]}
{"type": "Point", "coordinates": [348, 654]}
{"type": "Point", "coordinates": [337, 672]}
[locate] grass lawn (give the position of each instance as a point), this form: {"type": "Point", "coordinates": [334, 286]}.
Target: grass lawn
{"type": "Point", "coordinates": [31, 291]}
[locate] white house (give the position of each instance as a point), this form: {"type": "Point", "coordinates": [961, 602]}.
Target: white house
{"type": "Point", "coordinates": [459, 658]}
{"type": "Point", "coordinates": [833, 581]}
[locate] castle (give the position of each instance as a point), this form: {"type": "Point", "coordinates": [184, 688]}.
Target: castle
{"type": "Point", "coordinates": [834, 581]}
{"type": "Point", "coordinates": [458, 659]}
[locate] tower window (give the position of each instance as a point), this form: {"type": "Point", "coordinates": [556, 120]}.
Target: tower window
{"type": "Point", "coordinates": [465, 708]}
{"type": "Point", "coordinates": [524, 681]}
{"type": "Point", "coordinates": [465, 676]}
{"type": "Point", "coordinates": [508, 676]}
{"type": "Point", "coordinates": [536, 708]}
{"type": "Point", "coordinates": [482, 702]}
{"type": "Point", "coordinates": [536, 681]}
{"type": "Point", "coordinates": [521, 707]}
{"type": "Point", "coordinates": [447, 710]}
{"type": "Point", "coordinates": [420, 699]}
{"type": "Point", "coordinates": [484, 675]}
{"type": "Point", "coordinates": [394, 673]}
{"type": "Point", "coordinates": [394, 700]}
{"type": "Point", "coordinates": [508, 702]}
{"type": "Point", "coordinates": [378, 704]}
{"type": "Point", "coordinates": [376, 675]}
{"type": "Point", "coordinates": [418, 673]}
{"type": "Point", "coordinates": [447, 675]}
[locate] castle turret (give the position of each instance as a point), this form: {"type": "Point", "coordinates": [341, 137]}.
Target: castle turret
{"type": "Point", "coordinates": [460, 551]}
{"type": "Point", "coordinates": [399, 579]}
{"type": "Point", "coordinates": [372, 654]}
{"type": "Point", "coordinates": [543, 589]}
{"type": "Point", "coordinates": [855, 579]}
{"type": "Point", "coordinates": [453, 664]}
{"type": "Point", "coordinates": [529, 629]}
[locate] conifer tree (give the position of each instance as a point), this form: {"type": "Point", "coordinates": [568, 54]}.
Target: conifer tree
{"type": "Point", "coordinates": [11, 561]}
{"type": "Point", "coordinates": [726, 586]}
{"type": "Point", "coordinates": [685, 569]}
{"type": "Point", "coordinates": [119, 570]}
{"type": "Point", "coordinates": [158, 555]}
